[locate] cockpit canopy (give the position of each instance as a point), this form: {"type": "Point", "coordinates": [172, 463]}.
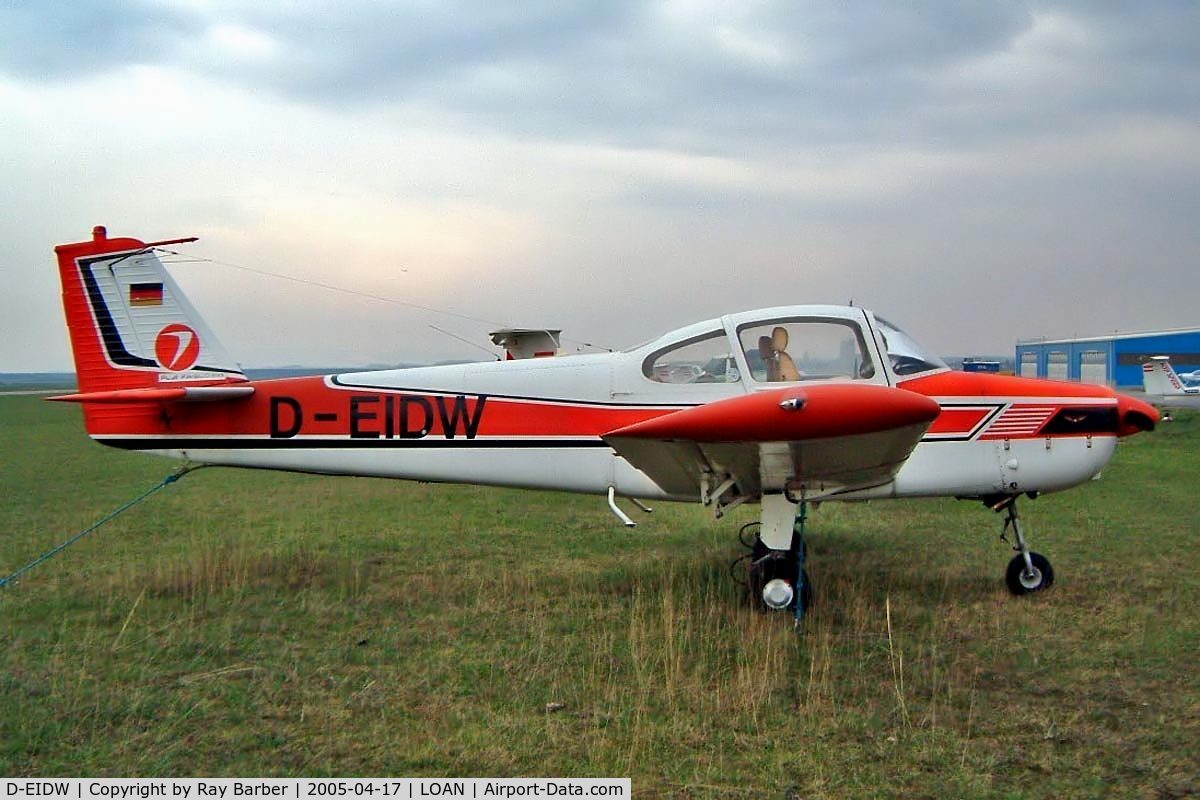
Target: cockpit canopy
{"type": "Point", "coordinates": [804, 343]}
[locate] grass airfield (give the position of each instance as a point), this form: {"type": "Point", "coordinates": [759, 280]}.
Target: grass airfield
{"type": "Point", "coordinates": [249, 623]}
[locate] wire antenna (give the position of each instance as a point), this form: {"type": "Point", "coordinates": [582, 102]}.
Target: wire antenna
{"type": "Point", "coordinates": [181, 258]}
{"type": "Point", "coordinates": [464, 340]}
{"type": "Point", "coordinates": [332, 287]}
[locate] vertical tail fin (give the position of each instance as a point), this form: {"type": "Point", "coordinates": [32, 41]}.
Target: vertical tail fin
{"type": "Point", "coordinates": [1158, 377]}
{"type": "Point", "coordinates": [130, 325]}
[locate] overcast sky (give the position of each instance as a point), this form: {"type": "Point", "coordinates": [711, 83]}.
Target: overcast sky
{"type": "Point", "coordinates": [976, 172]}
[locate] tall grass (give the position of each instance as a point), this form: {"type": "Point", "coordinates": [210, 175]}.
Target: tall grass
{"type": "Point", "coordinates": [247, 623]}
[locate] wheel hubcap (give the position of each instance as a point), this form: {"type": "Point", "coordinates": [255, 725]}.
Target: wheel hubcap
{"type": "Point", "coordinates": [778, 593]}
{"type": "Point", "coordinates": [1031, 579]}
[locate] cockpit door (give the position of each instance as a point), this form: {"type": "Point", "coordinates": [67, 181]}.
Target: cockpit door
{"type": "Point", "coordinates": [814, 344]}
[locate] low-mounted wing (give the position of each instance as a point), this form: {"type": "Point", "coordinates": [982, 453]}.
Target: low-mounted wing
{"type": "Point", "coordinates": [823, 439]}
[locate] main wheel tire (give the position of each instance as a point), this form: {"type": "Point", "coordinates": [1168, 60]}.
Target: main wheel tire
{"type": "Point", "coordinates": [1022, 582]}
{"type": "Point", "coordinates": [761, 575]}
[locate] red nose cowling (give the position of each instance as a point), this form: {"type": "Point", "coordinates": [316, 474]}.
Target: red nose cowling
{"type": "Point", "coordinates": [1135, 416]}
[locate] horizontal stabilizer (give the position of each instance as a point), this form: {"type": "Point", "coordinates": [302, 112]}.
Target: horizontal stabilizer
{"type": "Point", "coordinates": [178, 394]}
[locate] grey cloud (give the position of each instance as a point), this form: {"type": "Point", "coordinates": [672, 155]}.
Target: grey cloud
{"type": "Point", "coordinates": [345, 54]}
{"type": "Point", "coordinates": [62, 41]}
{"type": "Point", "coordinates": [631, 74]}
{"type": "Point", "coordinates": [891, 37]}
{"type": "Point", "coordinates": [634, 78]}
{"type": "Point", "coordinates": [622, 75]}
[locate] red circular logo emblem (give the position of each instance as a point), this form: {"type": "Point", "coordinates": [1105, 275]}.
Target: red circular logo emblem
{"type": "Point", "coordinates": [177, 347]}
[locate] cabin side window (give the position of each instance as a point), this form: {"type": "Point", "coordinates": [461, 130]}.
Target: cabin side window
{"type": "Point", "coordinates": [704, 359]}
{"type": "Point", "coordinates": [784, 350]}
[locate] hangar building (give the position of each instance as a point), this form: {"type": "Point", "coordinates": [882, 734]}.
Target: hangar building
{"type": "Point", "coordinates": [1115, 360]}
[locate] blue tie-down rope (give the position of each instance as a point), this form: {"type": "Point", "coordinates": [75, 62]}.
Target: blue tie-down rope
{"type": "Point", "coordinates": [165, 482]}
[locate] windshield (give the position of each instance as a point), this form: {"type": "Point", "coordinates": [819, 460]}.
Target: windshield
{"type": "Point", "coordinates": [907, 357]}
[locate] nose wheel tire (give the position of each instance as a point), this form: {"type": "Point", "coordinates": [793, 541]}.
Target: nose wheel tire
{"type": "Point", "coordinates": [1021, 580]}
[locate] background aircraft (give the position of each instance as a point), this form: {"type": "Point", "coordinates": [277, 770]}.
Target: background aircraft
{"type": "Point", "coordinates": [1160, 378]}
{"type": "Point", "coordinates": [777, 407]}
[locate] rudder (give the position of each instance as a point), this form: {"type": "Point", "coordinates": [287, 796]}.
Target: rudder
{"type": "Point", "coordinates": [130, 325]}
{"type": "Point", "coordinates": [1159, 377]}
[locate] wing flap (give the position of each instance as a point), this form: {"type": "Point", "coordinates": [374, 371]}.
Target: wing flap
{"type": "Point", "coordinates": [677, 467]}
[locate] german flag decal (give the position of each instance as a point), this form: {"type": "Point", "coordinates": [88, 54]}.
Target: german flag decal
{"type": "Point", "coordinates": [145, 294]}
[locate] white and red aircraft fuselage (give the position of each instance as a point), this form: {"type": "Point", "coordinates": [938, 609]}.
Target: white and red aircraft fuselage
{"type": "Point", "coordinates": [775, 406]}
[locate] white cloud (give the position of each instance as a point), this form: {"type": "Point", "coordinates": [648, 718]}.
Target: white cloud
{"type": "Point", "coordinates": [1057, 49]}
{"type": "Point", "coordinates": [240, 43]}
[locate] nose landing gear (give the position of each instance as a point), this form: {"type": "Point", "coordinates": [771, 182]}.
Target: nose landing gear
{"type": "Point", "coordinates": [777, 579]}
{"type": "Point", "coordinates": [1028, 571]}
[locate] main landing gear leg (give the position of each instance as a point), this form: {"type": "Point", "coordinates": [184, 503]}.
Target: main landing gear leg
{"type": "Point", "coordinates": [778, 580]}
{"type": "Point", "coordinates": [1028, 571]}
{"type": "Point", "coordinates": [804, 596]}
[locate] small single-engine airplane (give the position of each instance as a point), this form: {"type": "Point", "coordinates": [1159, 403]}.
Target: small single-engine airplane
{"type": "Point", "coordinates": [1159, 378]}
{"type": "Point", "coordinates": [778, 406]}
{"type": "Point", "coordinates": [1188, 378]}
